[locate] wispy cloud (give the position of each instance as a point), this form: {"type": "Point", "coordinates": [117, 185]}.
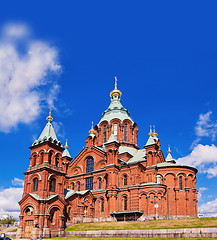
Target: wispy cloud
{"type": "Point", "coordinates": [209, 209]}
{"type": "Point", "coordinates": [204, 158]}
{"type": "Point", "coordinates": [200, 192]}
{"type": "Point", "coordinates": [17, 182]}
{"type": "Point", "coordinates": [24, 73]}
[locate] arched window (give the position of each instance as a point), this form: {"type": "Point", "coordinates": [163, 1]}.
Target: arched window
{"type": "Point", "coordinates": [115, 129]}
{"type": "Point", "coordinates": [73, 186]}
{"type": "Point", "coordinates": [34, 160]}
{"type": "Point", "coordinates": [125, 203]}
{"type": "Point", "coordinates": [49, 158]}
{"type": "Point", "coordinates": [104, 133]}
{"type": "Point", "coordinates": [106, 181]}
{"type": "Point", "coordinates": [180, 183]}
{"type": "Point", "coordinates": [89, 183]}
{"type": "Point", "coordinates": [35, 184]}
{"type": "Point", "coordinates": [52, 187]}
{"type": "Point", "coordinates": [79, 186]}
{"type": "Point", "coordinates": [41, 158]}
{"type": "Point", "coordinates": [125, 180]}
{"type": "Point", "coordinates": [89, 165]}
{"type": "Point", "coordinates": [100, 183]}
{"type": "Point", "coordinates": [125, 132]}
{"type": "Point", "coordinates": [102, 205]}
{"type": "Point", "coordinates": [57, 160]}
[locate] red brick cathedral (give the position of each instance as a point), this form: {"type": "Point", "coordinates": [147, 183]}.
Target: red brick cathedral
{"type": "Point", "coordinates": [111, 179]}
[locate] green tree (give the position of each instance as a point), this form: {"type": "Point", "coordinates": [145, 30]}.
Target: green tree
{"type": "Point", "coordinates": [9, 220]}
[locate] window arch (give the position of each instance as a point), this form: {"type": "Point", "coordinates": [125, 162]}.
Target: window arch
{"type": "Point", "coordinates": [41, 158]}
{"type": "Point", "coordinates": [57, 160]}
{"type": "Point", "coordinates": [115, 129]}
{"type": "Point", "coordinates": [73, 186]}
{"type": "Point", "coordinates": [125, 132]}
{"type": "Point", "coordinates": [79, 186]}
{"type": "Point", "coordinates": [35, 185]}
{"type": "Point", "coordinates": [180, 183]}
{"type": "Point", "coordinates": [89, 165]}
{"type": "Point", "coordinates": [100, 183]}
{"type": "Point", "coordinates": [34, 160]}
{"type": "Point", "coordinates": [102, 205]}
{"type": "Point", "coordinates": [125, 203]}
{"type": "Point", "coordinates": [52, 187]}
{"type": "Point", "coordinates": [104, 133]}
{"type": "Point", "coordinates": [49, 158]}
{"type": "Point", "coordinates": [125, 180]}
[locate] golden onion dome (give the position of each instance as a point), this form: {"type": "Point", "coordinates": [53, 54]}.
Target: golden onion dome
{"type": "Point", "coordinates": [115, 91]}
{"type": "Point", "coordinates": [154, 134]}
{"type": "Point", "coordinates": [49, 118]}
{"type": "Point", "coordinates": [169, 151]}
{"type": "Point", "coordinates": [92, 130]}
{"type": "Point", "coordinates": [66, 146]}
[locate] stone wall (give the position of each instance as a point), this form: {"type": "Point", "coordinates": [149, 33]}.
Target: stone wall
{"type": "Point", "coordinates": [156, 233]}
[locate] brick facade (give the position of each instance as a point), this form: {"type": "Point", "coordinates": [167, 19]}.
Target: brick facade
{"type": "Point", "coordinates": [110, 179]}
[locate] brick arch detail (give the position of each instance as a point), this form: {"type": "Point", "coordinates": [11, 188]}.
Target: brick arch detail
{"type": "Point", "coordinates": [170, 173]}
{"type": "Point", "coordinates": [181, 173]}
{"type": "Point", "coordinates": [51, 175]}
{"type": "Point", "coordinates": [27, 205]}
{"type": "Point", "coordinates": [35, 175]}
{"type": "Point", "coordinates": [52, 206]}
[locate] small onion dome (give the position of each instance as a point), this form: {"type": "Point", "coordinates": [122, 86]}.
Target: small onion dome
{"type": "Point", "coordinates": [92, 130]}
{"type": "Point", "coordinates": [115, 91]}
{"type": "Point", "coordinates": [150, 133]}
{"type": "Point", "coordinates": [169, 151]}
{"type": "Point", "coordinates": [49, 118]}
{"type": "Point", "coordinates": [154, 134]}
{"type": "Point", "coordinates": [66, 146]}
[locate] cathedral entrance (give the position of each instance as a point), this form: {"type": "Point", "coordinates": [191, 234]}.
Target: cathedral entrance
{"type": "Point", "coordinates": [28, 228]}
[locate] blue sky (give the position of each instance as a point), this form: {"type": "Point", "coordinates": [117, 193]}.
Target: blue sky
{"type": "Point", "coordinates": [66, 54]}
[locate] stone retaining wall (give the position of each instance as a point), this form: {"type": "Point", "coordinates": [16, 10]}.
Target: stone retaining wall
{"type": "Point", "coordinates": [167, 233]}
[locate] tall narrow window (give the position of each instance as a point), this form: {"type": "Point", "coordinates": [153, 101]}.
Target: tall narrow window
{"type": "Point", "coordinates": [106, 181]}
{"type": "Point", "coordinates": [125, 132]}
{"type": "Point", "coordinates": [125, 203]}
{"type": "Point", "coordinates": [100, 183]}
{"type": "Point", "coordinates": [52, 187]}
{"type": "Point", "coordinates": [115, 129]}
{"type": "Point", "coordinates": [104, 133]}
{"type": "Point", "coordinates": [34, 160]}
{"type": "Point", "coordinates": [89, 165]}
{"type": "Point", "coordinates": [180, 183]}
{"type": "Point", "coordinates": [41, 158]}
{"type": "Point", "coordinates": [79, 186]}
{"type": "Point", "coordinates": [49, 158]}
{"type": "Point", "coordinates": [102, 205]}
{"type": "Point", "coordinates": [35, 184]}
{"type": "Point", "coordinates": [125, 180]}
{"type": "Point", "coordinates": [57, 160]}
{"type": "Point", "coordinates": [89, 183]}
{"type": "Point", "coordinates": [73, 186]}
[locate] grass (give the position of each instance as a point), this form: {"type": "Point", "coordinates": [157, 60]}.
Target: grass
{"type": "Point", "coordinates": [120, 238]}
{"type": "Point", "coordinates": [160, 224]}
{"type": "Point", "coordinates": [14, 230]}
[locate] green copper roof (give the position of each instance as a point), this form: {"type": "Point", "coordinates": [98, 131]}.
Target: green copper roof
{"type": "Point", "coordinates": [47, 134]}
{"type": "Point", "coordinates": [169, 158]}
{"type": "Point", "coordinates": [150, 141]}
{"type": "Point", "coordinates": [113, 138]}
{"type": "Point", "coordinates": [123, 149]}
{"type": "Point", "coordinates": [115, 110]}
{"type": "Point", "coordinates": [66, 153]}
{"type": "Point", "coordinates": [68, 192]}
{"type": "Point", "coordinates": [39, 198]}
{"type": "Point", "coordinates": [138, 157]}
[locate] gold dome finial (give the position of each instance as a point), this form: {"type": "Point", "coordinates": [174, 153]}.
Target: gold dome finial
{"type": "Point", "coordinates": [150, 133]}
{"type": "Point", "coordinates": [115, 91]}
{"type": "Point", "coordinates": [66, 146]}
{"type": "Point", "coordinates": [154, 133]}
{"type": "Point", "coordinates": [49, 118]}
{"type": "Point", "coordinates": [169, 151]}
{"type": "Point", "coordinates": [92, 130]}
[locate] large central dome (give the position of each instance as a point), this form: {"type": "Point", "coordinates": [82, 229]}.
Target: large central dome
{"type": "Point", "coordinates": [115, 109]}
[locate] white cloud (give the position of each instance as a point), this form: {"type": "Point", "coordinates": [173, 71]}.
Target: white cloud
{"type": "Point", "coordinates": [18, 182]}
{"type": "Point", "coordinates": [9, 199]}
{"type": "Point", "coordinates": [204, 158]}
{"type": "Point", "coordinates": [205, 126]}
{"type": "Point", "coordinates": [24, 77]}
{"type": "Point", "coordinates": [209, 209]}
{"type": "Point", "coordinates": [200, 191]}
